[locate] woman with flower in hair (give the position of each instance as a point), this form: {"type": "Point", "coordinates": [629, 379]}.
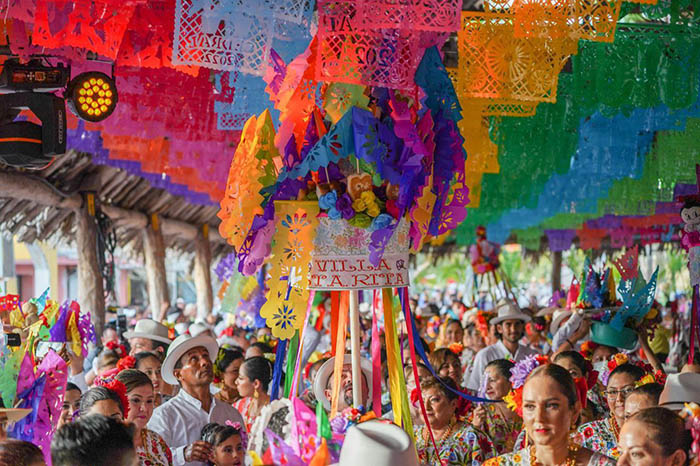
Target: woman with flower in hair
{"type": "Point", "coordinates": [226, 369]}
{"type": "Point", "coordinates": [108, 400]}
{"type": "Point", "coordinates": [150, 447]}
{"type": "Point", "coordinates": [549, 401]}
{"type": "Point", "coordinates": [603, 435]}
{"type": "Point", "coordinates": [580, 367]}
{"type": "Point", "coordinates": [446, 364]}
{"type": "Point", "coordinates": [458, 443]}
{"type": "Point", "coordinates": [229, 443]}
{"type": "Point", "coordinates": [495, 419]}
{"type": "Point", "coordinates": [451, 333]}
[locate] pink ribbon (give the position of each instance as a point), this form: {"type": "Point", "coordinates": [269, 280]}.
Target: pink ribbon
{"type": "Point", "coordinates": [406, 304]}
{"type": "Point", "coordinates": [694, 324]}
{"type": "Point", "coordinates": [376, 360]}
{"type": "Point", "coordinates": [297, 365]}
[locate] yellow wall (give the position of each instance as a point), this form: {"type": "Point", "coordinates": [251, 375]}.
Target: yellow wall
{"type": "Point", "coordinates": [22, 254]}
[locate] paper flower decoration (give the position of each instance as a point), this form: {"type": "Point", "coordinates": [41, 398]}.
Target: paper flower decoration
{"type": "Point", "coordinates": [519, 373]}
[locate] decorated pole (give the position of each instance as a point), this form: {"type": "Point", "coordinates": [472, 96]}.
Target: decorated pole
{"type": "Point", "coordinates": [355, 348]}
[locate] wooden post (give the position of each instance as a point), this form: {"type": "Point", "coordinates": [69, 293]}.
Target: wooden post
{"type": "Point", "coordinates": [355, 348]}
{"type": "Point", "coordinates": [91, 294]}
{"type": "Point", "coordinates": [202, 273]}
{"type": "Point", "coordinates": [154, 253]}
{"type": "Point", "coordinates": [556, 271]}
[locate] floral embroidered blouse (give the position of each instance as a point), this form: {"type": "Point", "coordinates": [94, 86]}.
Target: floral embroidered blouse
{"type": "Point", "coordinates": [153, 451]}
{"type": "Point", "coordinates": [243, 407]}
{"type": "Point", "coordinates": [466, 446]}
{"type": "Point", "coordinates": [522, 458]}
{"type": "Point", "coordinates": [599, 437]}
{"type": "Point", "coordinates": [503, 432]}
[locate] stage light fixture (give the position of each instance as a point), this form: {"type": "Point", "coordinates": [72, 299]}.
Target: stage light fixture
{"type": "Point", "coordinates": [32, 76]}
{"type": "Point", "coordinates": [92, 96]}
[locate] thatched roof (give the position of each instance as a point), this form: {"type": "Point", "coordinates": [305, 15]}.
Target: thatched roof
{"type": "Point", "coordinates": [29, 218]}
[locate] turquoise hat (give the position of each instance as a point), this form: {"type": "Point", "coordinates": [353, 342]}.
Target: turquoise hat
{"type": "Point", "coordinates": [605, 334]}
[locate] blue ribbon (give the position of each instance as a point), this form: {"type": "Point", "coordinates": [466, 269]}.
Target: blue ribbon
{"type": "Point", "coordinates": [277, 370]}
{"type": "Point", "coordinates": [420, 351]}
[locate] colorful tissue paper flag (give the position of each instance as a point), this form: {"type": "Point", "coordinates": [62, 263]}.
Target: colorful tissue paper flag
{"type": "Point", "coordinates": [373, 57]}
{"type": "Point", "coordinates": [251, 166]}
{"type": "Point", "coordinates": [289, 281]}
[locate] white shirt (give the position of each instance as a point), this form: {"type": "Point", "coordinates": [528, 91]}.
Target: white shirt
{"type": "Point", "coordinates": [180, 421]}
{"type": "Point", "coordinates": [565, 331]}
{"type": "Point", "coordinates": [491, 353]}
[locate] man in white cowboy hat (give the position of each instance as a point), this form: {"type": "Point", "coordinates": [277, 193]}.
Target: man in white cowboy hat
{"type": "Point", "coordinates": [510, 327]}
{"type": "Point", "coordinates": [323, 383]}
{"type": "Point", "coordinates": [180, 420]}
{"type": "Point", "coordinates": [148, 335]}
{"type": "Point", "coordinates": [680, 389]}
{"type": "Point", "coordinates": [377, 443]}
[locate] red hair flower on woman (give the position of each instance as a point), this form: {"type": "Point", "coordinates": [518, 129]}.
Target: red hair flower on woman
{"type": "Point", "coordinates": [456, 348]}
{"type": "Point", "coordinates": [116, 347]}
{"type": "Point", "coordinates": [120, 389]}
{"type": "Point", "coordinates": [587, 348]}
{"type": "Point", "coordinates": [127, 362]}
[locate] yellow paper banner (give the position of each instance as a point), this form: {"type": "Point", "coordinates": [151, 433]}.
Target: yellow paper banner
{"type": "Point", "coordinates": [289, 267]}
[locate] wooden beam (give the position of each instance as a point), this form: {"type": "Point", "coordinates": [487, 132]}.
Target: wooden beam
{"type": "Point", "coordinates": [156, 278]}
{"type": "Point", "coordinates": [556, 271]}
{"type": "Point", "coordinates": [202, 273]}
{"type": "Point", "coordinates": [131, 219]}
{"type": "Point", "coordinates": [20, 187]}
{"type": "Point", "coordinates": [91, 295]}
{"type": "Point", "coordinates": [30, 188]}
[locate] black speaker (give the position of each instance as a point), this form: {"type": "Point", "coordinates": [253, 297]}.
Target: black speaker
{"type": "Point", "coordinates": [28, 145]}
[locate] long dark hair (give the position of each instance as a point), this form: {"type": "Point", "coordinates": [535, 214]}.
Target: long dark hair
{"type": "Point", "coordinates": [258, 368]}
{"type": "Point", "coordinates": [224, 359]}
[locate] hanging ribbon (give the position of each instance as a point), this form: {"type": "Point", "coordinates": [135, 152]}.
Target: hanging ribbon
{"type": "Point", "coordinates": [322, 424]}
{"type": "Point", "coordinates": [297, 366]}
{"type": "Point", "coordinates": [376, 361]}
{"type": "Point", "coordinates": [339, 350]}
{"type": "Point", "coordinates": [413, 330]}
{"type": "Point", "coordinates": [397, 384]}
{"type": "Point", "coordinates": [277, 370]}
{"type": "Point", "coordinates": [694, 324]}
{"type": "Point", "coordinates": [335, 310]}
{"type": "Point", "coordinates": [403, 297]}
{"type": "Point", "coordinates": [294, 345]}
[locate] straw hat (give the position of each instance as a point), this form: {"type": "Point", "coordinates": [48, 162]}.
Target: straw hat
{"type": "Point", "coordinates": [379, 444]}
{"type": "Point", "coordinates": [326, 371]}
{"type": "Point", "coordinates": [180, 346]}
{"type": "Point", "coordinates": [679, 389]}
{"type": "Point", "coordinates": [509, 311]}
{"type": "Point", "coordinates": [546, 311]}
{"type": "Point", "coordinates": [149, 328]}
{"type": "Point", "coordinates": [13, 414]}
{"type": "Point", "coordinates": [557, 318]}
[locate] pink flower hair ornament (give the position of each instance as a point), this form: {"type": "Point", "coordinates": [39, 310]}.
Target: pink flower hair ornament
{"type": "Point", "coordinates": [241, 431]}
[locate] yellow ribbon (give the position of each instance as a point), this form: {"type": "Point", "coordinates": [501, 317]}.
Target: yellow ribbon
{"type": "Point", "coordinates": [340, 350]}
{"type": "Point", "coordinates": [397, 384]}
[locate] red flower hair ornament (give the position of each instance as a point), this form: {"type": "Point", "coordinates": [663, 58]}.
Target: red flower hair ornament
{"type": "Point", "coordinates": [116, 347]}
{"type": "Point", "coordinates": [120, 389]}
{"type": "Point", "coordinates": [127, 362]}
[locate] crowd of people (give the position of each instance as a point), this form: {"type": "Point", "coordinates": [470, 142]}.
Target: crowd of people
{"type": "Point", "coordinates": [501, 387]}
